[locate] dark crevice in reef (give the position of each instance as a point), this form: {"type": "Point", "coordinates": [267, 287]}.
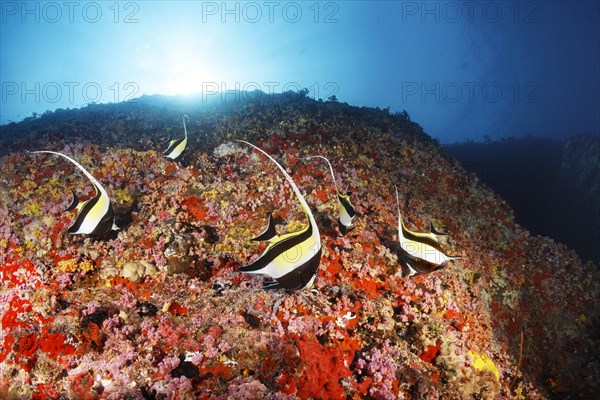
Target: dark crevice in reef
{"type": "Point", "coordinates": [553, 187]}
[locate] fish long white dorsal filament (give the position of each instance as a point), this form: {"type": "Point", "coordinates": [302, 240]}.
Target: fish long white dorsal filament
{"type": "Point", "coordinates": [292, 184]}
{"type": "Point", "coordinates": [330, 170]}
{"type": "Point", "coordinates": [292, 259]}
{"type": "Point", "coordinates": [345, 208]}
{"type": "Point", "coordinates": [79, 166]}
{"type": "Point", "coordinates": [94, 216]}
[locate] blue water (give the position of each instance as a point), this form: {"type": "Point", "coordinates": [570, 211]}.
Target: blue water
{"type": "Point", "coordinates": [463, 70]}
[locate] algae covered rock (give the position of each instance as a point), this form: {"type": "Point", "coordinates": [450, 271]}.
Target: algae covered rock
{"type": "Point", "coordinates": [137, 270]}
{"type": "Point", "coordinates": [161, 310]}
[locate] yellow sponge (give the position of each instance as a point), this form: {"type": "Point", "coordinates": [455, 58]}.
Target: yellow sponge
{"type": "Point", "coordinates": [481, 362]}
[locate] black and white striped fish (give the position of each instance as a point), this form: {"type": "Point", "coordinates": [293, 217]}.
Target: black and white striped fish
{"type": "Point", "coordinates": [177, 146]}
{"type": "Point", "coordinates": [292, 259]}
{"type": "Point", "coordinates": [94, 216]}
{"type": "Point", "coordinates": [422, 246]}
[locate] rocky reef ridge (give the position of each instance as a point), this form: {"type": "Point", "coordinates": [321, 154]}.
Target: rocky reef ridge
{"type": "Point", "coordinates": [159, 309]}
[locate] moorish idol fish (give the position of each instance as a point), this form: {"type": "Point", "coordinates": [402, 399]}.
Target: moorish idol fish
{"type": "Point", "coordinates": [177, 146]}
{"type": "Point", "coordinates": [292, 259]}
{"type": "Point", "coordinates": [420, 246]}
{"type": "Point", "coordinates": [94, 216]}
{"type": "Point", "coordinates": [346, 209]}
{"type": "Point", "coordinates": [419, 267]}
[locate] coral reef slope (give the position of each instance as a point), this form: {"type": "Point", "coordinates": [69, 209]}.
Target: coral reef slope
{"type": "Point", "coordinates": [160, 310]}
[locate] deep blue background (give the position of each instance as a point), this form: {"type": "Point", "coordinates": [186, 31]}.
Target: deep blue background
{"type": "Point", "coordinates": [461, 69]}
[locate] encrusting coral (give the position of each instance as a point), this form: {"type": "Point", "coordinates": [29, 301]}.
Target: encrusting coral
{"type": "Point", "coordinates": [160, 309]}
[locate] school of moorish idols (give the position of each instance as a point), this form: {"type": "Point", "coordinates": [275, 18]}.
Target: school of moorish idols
{"type": "Point", "coordinates": [146, 288]}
